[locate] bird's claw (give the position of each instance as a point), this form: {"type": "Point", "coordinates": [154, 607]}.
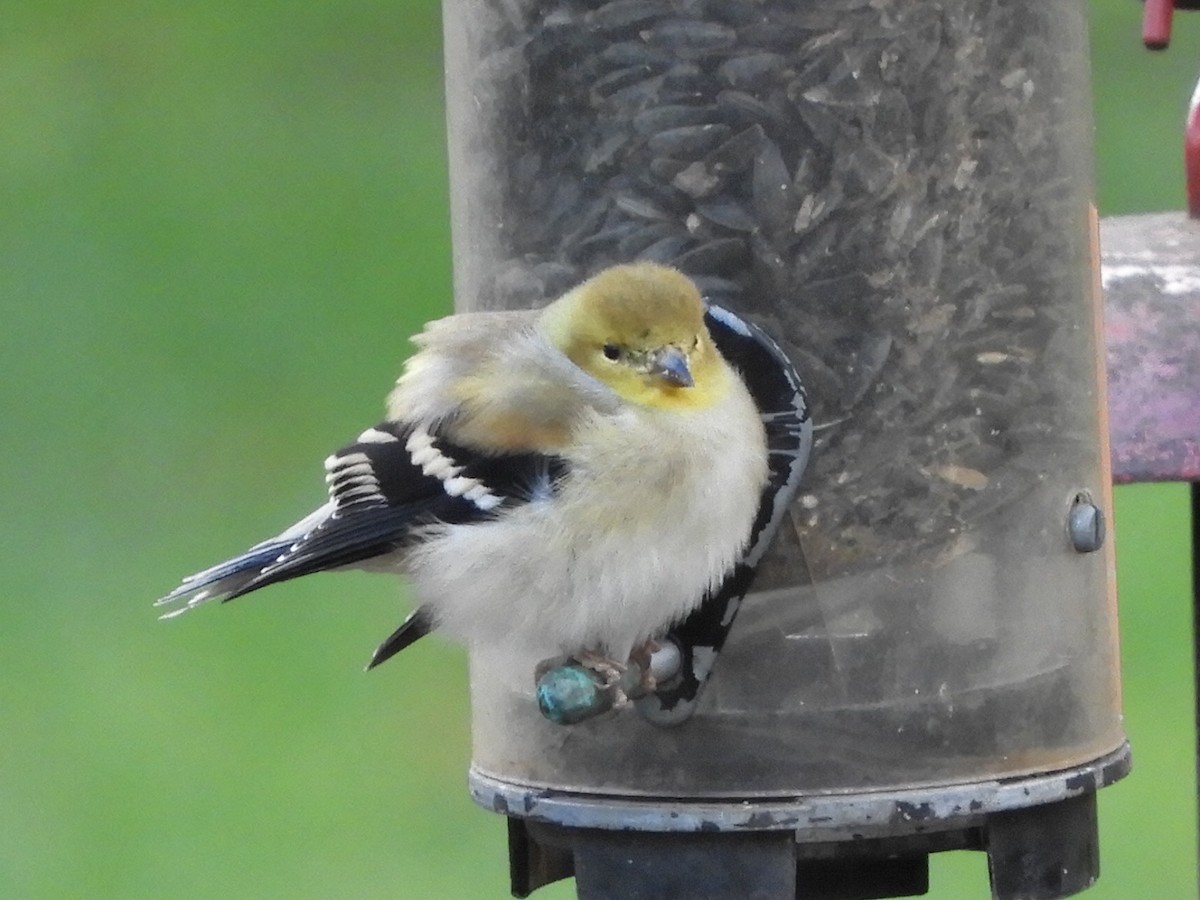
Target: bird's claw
{"type": "Point", "coordinates": [641, 659]}
{"type": "Point", "coordinates": [613, 675]}
{"type": "Point", "coordinates": [606, 686]}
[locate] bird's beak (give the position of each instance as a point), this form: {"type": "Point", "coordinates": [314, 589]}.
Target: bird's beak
{"type": "Point", "coordinates": [670, 364]}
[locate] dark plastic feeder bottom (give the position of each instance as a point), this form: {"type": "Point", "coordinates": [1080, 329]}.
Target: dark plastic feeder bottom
{"type": "Point", "coordinates": [1039, 833]}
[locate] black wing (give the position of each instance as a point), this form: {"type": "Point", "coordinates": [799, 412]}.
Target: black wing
{"type": "Point", "coordinates": [783, 404]}
{"type": "Point", "coordinates": [383, 489]}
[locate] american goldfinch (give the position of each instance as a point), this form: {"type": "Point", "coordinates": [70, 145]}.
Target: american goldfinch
{"type": "Point", "coordinates": [572, 479]}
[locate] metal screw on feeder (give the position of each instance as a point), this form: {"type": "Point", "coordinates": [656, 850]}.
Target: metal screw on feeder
{"type": "Point", "coordinates": [897, 199]}
{"type": "Point", "coordinates": [1085, 524]}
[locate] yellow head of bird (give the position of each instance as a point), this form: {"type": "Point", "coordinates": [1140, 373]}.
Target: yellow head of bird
{"type": "Point", "coordinates": [639, 328]}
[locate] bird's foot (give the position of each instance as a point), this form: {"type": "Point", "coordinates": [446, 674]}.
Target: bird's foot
{"type": "Point", "coordinates": [642, 660]}
{"type": "Point", "coordinates": [572, 689]}
{"type": "Point", "coordinates": [614, 676]}
{"type": "Point", "coordinates": [589, 683]}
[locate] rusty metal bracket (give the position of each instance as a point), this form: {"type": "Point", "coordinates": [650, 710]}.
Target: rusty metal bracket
{"type": "Point", "coordinates": [1151, 272]}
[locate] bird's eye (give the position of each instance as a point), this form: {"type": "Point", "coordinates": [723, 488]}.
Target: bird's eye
{"type": "Point", "coordinates": [611, 352]}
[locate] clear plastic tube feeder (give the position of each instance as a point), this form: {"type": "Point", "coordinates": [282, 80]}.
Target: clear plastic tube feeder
{"type": "Point", "coordinates": [900, 194]}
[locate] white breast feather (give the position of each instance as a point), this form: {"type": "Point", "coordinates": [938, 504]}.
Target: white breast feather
{"type": "Point", "coordinates": [656, 509]}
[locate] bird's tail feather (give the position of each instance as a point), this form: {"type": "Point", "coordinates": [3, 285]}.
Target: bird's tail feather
{"type": "Point", "coordinates": [237, 576]}
{"type": "Point", "coordinates": [225, 580]}
{"type": "Point", "coordinates": [418, 624]}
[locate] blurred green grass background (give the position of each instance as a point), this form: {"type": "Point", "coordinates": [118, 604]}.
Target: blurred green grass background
{"type": "Point", "coordinates": [219, 222]}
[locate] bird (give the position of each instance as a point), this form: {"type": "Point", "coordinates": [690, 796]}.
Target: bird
{"type": "Point", "coordinates": [565, 480]}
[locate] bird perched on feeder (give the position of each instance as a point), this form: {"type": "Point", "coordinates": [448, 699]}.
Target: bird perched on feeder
{"type": "Point", "coordinates": [565, 480]}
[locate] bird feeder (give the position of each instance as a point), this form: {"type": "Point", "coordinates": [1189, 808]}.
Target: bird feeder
{"type": "Point", "coordinates": [900, 194]}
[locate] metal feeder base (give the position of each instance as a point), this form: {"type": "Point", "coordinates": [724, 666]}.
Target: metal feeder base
{"type": "Point", "coordinates": [1039, 833]}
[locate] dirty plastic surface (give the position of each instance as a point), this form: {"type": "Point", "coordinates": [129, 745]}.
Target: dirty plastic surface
{"type": "Point", "coordinates": [900, 194]}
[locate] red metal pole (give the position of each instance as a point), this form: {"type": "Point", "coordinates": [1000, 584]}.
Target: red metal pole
{"type": "Point", "coordinates": [1191, 154]}
{"type": "Point", "coordinates": [1156, 23]}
